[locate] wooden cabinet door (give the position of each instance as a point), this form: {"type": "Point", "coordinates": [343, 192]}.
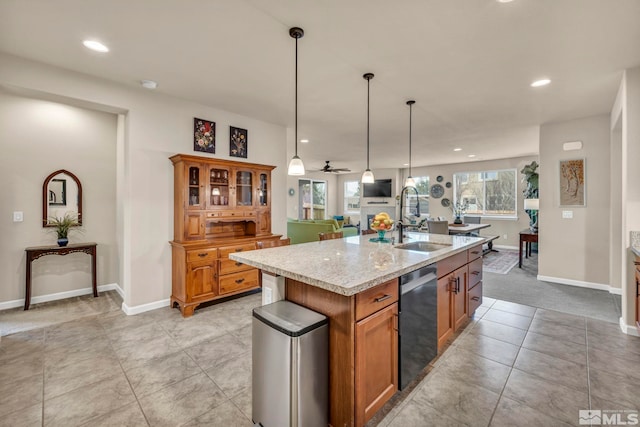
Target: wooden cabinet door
{"type": "Point", "coordinates": [201, 280]}
{"type": "Point", "coordinates": [376, 362]}
{"type": "Point", "coordinates": [243, 186]}
{"type": "Point", "coordinates": [264, 222]}
{"type": "Point", "coordinates": [445, 318]}
{"type": "Point", "coordinates": [196, 198]}
{"type": "Point", "coordinates": [459, 298]}
{"type": "Point", "coordinates": [194, 226]}
{"type": "Point", "coordinates": [218, 192]}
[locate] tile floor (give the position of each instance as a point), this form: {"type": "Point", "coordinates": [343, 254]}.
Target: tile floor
{"type": "Point", "coordinates": [513, 365]}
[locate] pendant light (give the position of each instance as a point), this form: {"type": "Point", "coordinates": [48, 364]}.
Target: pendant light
{"type": "Point", "coordinates": [296, 167]}
{"type": "Point", "coordinates": [410, 182]}
{"type": "Point", "coordinates": [367, 176]}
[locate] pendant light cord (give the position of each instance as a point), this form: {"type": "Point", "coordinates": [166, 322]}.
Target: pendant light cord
{"type": "Point", "coordinates": [368, 84]}
{"type": "Point", "coordinates": [296, 119]}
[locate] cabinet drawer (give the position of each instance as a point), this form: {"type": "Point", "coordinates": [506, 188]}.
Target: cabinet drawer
{"type": "Point", "coordinates": [451, 263]}
{"type": "Point", "coordinates": [230, 266]}
{"type": "Point", "coordinates": [239, 281]}
{"type": "Point", "coordinates": [475, 298]}
{"type": "Point", "coordinates": [475, 252]}
{"type": "Point", "coordinates": [226, 250]}
{"type": "Point", "coordinates": [372, 300]}
{"type": "Point", "coordinates": [202, 254]}
{"type": "Point", "coordinates": [475, 272]}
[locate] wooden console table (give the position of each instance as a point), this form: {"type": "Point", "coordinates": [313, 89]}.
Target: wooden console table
{"type": "Point", "coordinates": [36, 252]}
{"type": "Point", "coordinates": [527, 237]}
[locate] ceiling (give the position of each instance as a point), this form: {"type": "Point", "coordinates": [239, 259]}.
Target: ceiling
{"type": "Point", "coordinates": [467, 63]}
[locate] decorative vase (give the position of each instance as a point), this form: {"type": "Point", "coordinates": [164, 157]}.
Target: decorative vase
{"type": "Point", "coordinates": [458, 220]}
{"type": "Point", "coordinates": [63, 241]}
{"type": "Point", "coordinates": [380, 238]}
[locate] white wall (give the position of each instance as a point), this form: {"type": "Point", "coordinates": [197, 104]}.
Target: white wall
{"type": "Point", "coordinates": [575, 250]}
{"type": "Point", "coordinates": [155, 128]}
{"type": "Point", "coordinates": [37, 138]}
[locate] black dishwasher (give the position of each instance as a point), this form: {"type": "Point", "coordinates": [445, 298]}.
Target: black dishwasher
{"type": "Point", "coordinates": [418, 338]}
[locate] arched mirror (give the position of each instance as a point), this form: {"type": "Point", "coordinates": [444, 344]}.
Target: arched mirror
{"type": "Point", "coordinates": [61, 194]}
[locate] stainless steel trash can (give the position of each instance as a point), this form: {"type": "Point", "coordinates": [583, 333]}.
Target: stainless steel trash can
{"type": "Point", "coordinates": [290, 376]}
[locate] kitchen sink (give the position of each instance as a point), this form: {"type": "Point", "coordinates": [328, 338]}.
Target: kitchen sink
{"type": "Point", "coordinates": [423, 246]}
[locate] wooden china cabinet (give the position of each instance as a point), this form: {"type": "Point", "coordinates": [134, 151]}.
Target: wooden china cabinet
{"type": "Point", "coordinates": [220, 207]}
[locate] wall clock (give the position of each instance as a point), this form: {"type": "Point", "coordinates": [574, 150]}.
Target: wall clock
{"type": "Point", "coordinates": [292, 192]}
{"type": "Point", "coordinates": [437, 191]}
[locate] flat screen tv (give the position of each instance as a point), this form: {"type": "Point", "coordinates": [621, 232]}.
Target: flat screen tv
{"type": "Point", "coordinates": [380, 188]}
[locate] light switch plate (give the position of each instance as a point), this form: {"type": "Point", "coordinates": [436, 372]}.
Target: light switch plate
{"type": "Point", "coordinates": [567, 214]}
{"type": "Point", "coordinates": [18, 216]}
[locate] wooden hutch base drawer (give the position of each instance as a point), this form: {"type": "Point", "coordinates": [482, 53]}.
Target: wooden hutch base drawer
{"type": "Point", "coordinates": [230, 266]}
{"type": "Point", "coordinates": [376, 298]}
{"type": "Point", "coordinates": [475, 298]}
{"type": "Point", "coordinates": [226, 250]}
{"type": "Point", "coordinates": [202, 255]}
{"type": "Point", "coordinates": [239, 281]}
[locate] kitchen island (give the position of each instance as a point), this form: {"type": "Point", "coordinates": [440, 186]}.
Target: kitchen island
{"type": "Point", "coordinates": [355, 283]}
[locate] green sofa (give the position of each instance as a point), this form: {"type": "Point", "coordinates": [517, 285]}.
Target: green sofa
{"type": "Point", "coordinates": [306, 230]}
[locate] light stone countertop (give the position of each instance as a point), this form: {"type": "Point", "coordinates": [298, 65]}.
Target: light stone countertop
{"type": "Point", "coordinates": [351, 265]}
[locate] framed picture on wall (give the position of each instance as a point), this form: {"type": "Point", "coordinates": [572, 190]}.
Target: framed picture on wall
{"type": "Point", "coordinates": [238, 140]}
{"type": "Point", "coordinates": [572, 182]}
{"type": "Point", "coordinates": [204, 135]}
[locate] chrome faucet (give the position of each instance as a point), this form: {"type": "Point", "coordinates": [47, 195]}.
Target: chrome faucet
{"type": "Point", "coordinates": [400, 224]}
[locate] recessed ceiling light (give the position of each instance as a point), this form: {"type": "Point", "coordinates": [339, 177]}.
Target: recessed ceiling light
{"type": "Point", "coordinates": [405, 164]}
{"type": "Point", "coordinates": [505, 1]}
{"type": "Point", "coordinates": [148, 84]}
{"type": "Point", "coordinates": [304, 141]}
{"type": "Point", "coordinates": [94, 45]}
{"type": "Point", "coordinates": [457, 149]}
{"type": "Point", "coordinates": [471, 155]}
{"type": "Point", "coordinates": [541, 82]}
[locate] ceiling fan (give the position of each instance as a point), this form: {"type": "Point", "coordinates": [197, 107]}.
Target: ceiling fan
{"type": "Point", "coordinates": [329, 169]}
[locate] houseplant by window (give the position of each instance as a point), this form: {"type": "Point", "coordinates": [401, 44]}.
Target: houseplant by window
{"type": "Point", "coordinates": [62, 226]}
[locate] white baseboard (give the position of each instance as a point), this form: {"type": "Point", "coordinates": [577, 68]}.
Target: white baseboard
{"type": "Point", "coordinates": [628, 329]}
{"type": "Point", "coordinates": [61, 295]}
{"type": "Point", "coordinates": [580, 284]}
{"type": "Point", "coordinates": [137, 309]}
{"type": "Point", "coordinates": [513, 248]}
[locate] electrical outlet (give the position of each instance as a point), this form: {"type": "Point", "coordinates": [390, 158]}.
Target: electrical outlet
{"type": "Point", "coordinates": [504, 236]}
{"type": "Point", "coordinates": [18, 216]}
{"type": "Point", "coordinates": [567, 214]}
{"type": "Point", "coordinates": [268, 295]}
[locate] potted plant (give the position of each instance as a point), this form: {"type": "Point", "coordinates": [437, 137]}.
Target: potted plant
{"type": "Point", "coordinates": [459, 208]}
{"type": "Point", "coordinates": [62, 225]}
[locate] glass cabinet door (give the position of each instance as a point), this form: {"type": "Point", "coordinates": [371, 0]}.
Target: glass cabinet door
{"type": "Point", "coordinates": [196, 187]}
{"type": "Point", "coordinates": [263, 190]}
{"type": "Point", "coordinates": [244, 186]}
{"type": "Point", "coordinates": [219, 186]}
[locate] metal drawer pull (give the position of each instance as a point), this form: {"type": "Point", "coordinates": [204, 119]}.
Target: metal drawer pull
{"type": "Point", "coordinates": [475, 298]}
{"type": "Point", "coordinates": [238, 281]}
{"type": "Point", "coordinates": [475, 252]}
{"type": "Point", "coordinates": [203, 255]}
{"type": "Point", "coordinates": [238, 264]}
{"type": "Point", "coordinates": [475, 273]}
{"type": "Point", "coordinates": [239, 250]}
{"type": "Point", "coordinates": [382, 298]}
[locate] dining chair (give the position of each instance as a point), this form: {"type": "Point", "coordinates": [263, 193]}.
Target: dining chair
{"type": "Point", "coordinates": [329, 236]}
{"type": "Point", "coordinates": [273, 243]}
{"type": "Point", "coordinates": [369, 231]}
{"type": "Point", "coordinates": [438, 227]}
{"type": "Point", "coordinates": [472, 219]}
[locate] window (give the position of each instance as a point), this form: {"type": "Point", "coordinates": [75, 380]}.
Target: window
{"type": "Point", "coordinates": [422, 185]}
{"type": "Point", "coordinates": [352, 196]}
{"type": "Point", "coordinates": [312, 199]}
{"type": "Point", "coordinates": [488, 193]}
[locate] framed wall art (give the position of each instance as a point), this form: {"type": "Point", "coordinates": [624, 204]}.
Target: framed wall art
{"type": "Point", "coordinates": [204, 135]}
{"type": "Point", "coordinates": [572, 182]}
{"type": "Point", "coordinates": [238, 142]}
